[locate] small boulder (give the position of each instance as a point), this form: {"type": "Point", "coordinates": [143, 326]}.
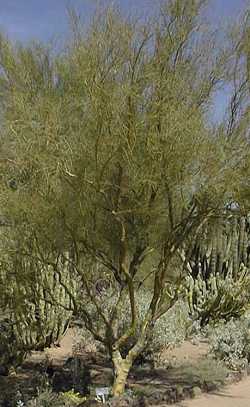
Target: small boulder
{"type": "Point", "coordinates": [125, 401]}
{"type": "Point", "coordinates": [4, 371]}
{"type": "Point", "coordinates": [90, 403]}
{"type": "Point", "coordinates": [196, 391]}
{"type": "Point", "coordinates": [179, 392]}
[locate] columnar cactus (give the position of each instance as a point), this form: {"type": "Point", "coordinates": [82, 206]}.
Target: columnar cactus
{"type": "Point", "coordinates": [218, 296]}
{"type": "Point", "coordinates": [37, 306]}
{"type": "Point", "coordinates": [219, 283]}
{"type": "Point", "coordinates": [221, 248]}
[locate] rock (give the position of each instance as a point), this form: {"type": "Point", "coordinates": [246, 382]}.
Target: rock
{"type": "Point", "coordinates": [141, 402]}
{"type": "Point", "coordinates": [195, 341]}
{"type": "Point", "coordinates": [4, 371]}
{"type": "Point", "coordinates": [244, 374]}
{"type": "Point", "coordinates": [158, 396]}
{"type": "Point", "coordinates": [230, 379]}
{"type": "Point", "coordinates": [210, 386]}
{"type": "Point", "coordinates": [187, 391]}
{"type": "Point", "coordinates": [100, 376]}
{"type": "Point", "coordinates": [62, 381]}
{"type": "Point", "coordinates": [169, 396]}
{"type": "Point", "coordinates": [6, 403]}
{"type": "Point", "coordinates": [196, 391]}
{"type": "Point", "coordinates": [179, 392]}
{"type": "Point", "coordinates": [12, 372]}
{"type": "Point", "coordinates": [125, 401]}
{"type": "Point", "coordinates": [90, 403]}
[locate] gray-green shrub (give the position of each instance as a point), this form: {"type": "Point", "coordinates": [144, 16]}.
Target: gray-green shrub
{"type": "Point", "coordinates": [230, 341]}
{"type": "Point", "coordinates": [169, 330]}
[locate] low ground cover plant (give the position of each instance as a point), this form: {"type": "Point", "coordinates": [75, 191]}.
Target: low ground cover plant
{"type": "Point", "coordinates": [230, 341]}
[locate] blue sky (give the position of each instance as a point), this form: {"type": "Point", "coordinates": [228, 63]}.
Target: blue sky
{"type": "Point", "coordinates": [47, 19]}
{"type": "Point", "coordinates": [43, 19]}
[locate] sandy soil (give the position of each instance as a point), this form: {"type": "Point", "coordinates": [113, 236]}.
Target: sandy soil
{"type": "Point", "coordinates": [235, 395]}
{"type": "Point", "coordinates": [57, 354]}
{"type": "Point", "coordinates": [179, 355]}
{"type": "Point", "coordinates": [187, 352]}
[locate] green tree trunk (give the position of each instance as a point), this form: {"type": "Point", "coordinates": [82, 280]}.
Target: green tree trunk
{"type": "Point", "coordinates": [121, 370]}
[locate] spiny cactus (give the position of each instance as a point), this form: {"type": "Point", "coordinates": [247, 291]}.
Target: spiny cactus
{"type": "Point", "coordinates": [221, 247]}
{"type": "Point", "coordinates": [218, 297]}
{"type": "Point", "coordinates": [218, 284]}
{"type": "Point", "coordinates": [10, 351]}
{"type": "Point", "coordinates": [37, 306]}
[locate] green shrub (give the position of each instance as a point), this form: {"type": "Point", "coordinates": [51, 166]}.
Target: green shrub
{"type": "Point", "coordinates": [47, 398]}
{"type": "Point", "coordinates": [230, 341]}
{"type": "Point", "coordinates": [205, 371]}
{"type": "Point", "coordinates": [72, 397]}
{"type": "Point", "coordinates": [172, 327]}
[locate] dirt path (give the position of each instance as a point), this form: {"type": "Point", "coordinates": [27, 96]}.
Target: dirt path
{"type": "Point", "coordinates": [235, 395]}
{"type": "Point", "coordinates": [57, 354]}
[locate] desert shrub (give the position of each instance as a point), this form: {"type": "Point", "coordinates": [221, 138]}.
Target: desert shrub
{"type": "Point", "coordinates": [205, 371]}
{"type": "Point", "coordinates": [230, 341]}
{"type": "Point", "coordinates": [11, 351]}
{"type": "Point", "coordinates": [169, 330]}
{"type": "Point", "coordinates": [84, 342]}
{"type": "Point", "coordinates": [218, 297]}
{"type": "Point", "coordinates": [48, 398]}
{"type": "Point", "coordinates": [172, 327]}
{"type": "Point", "coordinates": [72, 397]}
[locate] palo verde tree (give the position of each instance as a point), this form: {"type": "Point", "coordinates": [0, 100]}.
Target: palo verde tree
{"type": "Point", "coordinates": [108, 162]}
{"type": "Point", "coordinates": [237, 121]}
